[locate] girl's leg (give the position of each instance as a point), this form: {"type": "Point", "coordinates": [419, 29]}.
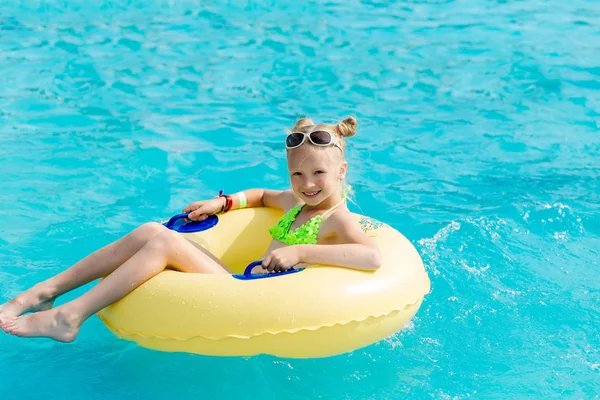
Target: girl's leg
{"type": "Point", "coordinates": [166, 249]}
{"type": "Point", "coordinates": [96, 265]}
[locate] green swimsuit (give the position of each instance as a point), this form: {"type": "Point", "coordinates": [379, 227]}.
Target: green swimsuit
{"type": "Point", "coordinates": [304, 234]}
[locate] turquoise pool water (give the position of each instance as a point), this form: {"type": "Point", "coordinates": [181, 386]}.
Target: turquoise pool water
{"type": "Point", "coordinates": [479, 139]}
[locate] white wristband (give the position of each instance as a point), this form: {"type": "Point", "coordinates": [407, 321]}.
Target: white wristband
{"type": "Point", "coordinates": [243, 200]}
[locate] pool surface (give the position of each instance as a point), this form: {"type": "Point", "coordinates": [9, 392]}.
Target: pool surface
{"type": "Point", "coordinates": [479, 139]}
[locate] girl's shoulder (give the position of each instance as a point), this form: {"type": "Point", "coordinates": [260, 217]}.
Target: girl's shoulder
{"type": "Point", "coordinates": [339, 221]}
{"type": "Point", "coordinates": [289, 200]}
{"type": "Point", "coordinates": [342, 227]}
{"type": "Point", "coordinates": [282, 199]}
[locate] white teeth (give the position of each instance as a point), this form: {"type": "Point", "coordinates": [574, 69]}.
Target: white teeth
{"type": "Point", "coordinates": [311, 194]}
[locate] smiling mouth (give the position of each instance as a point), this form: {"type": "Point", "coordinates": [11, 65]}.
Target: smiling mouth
{"type": "Point", "coordinates": [311, 194]}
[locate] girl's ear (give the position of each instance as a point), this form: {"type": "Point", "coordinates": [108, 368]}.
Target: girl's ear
{"type": "Point", "coordinates": [343, 169]}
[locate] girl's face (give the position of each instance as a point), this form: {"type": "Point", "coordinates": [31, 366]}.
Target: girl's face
{"type": "Point", "coordinates": [315, 172]}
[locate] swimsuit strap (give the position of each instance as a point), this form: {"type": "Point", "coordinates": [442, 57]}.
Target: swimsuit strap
{"type": "Point", "coordinates": [344, 197]}
{"type": "Point", "coordinates": [333, 208]}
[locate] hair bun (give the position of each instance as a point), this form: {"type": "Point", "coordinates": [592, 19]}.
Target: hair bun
{"type": "Point", "coordinates": [347, 127]}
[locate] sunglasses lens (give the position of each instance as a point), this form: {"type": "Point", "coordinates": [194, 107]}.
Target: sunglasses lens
{"type": "Point", "coordinates": [294, 139]}
{"type": "Point", "coordinates": [320, 137]}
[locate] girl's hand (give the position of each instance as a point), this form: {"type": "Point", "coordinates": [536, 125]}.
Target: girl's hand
{"type": "Point", "coordinates": [200, 210]}
{"type": "Point", "coordinates": [282, 259]}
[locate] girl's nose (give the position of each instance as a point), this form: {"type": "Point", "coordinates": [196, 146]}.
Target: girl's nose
{"type": "Point", "coordinates": [308, 184]}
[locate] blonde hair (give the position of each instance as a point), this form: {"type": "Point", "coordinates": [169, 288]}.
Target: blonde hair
{"type": "Point", "coordinates": [344, 129]}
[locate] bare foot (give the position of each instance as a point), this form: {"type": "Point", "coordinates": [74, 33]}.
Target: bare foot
{"type": "Point", "coordinates": [53, 324]}
{"type": "Point", "coordinates": [35, 299]}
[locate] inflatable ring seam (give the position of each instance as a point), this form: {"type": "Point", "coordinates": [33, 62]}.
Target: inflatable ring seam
{"type": "Point", "coordinates": [376, 316]}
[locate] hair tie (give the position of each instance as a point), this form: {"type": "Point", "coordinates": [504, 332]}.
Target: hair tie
{"type": "Point", "coordinates": [337, 129]}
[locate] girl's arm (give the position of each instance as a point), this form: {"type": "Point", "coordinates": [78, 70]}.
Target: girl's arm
{"type": "Point", "coordinates": [355, 256]}
{"type": "Point", "coordinates": [352, 248]}
{"type": "Point", "coordinates": [200, 210]}
{"type": "Point", "coordinates": [263, 198]}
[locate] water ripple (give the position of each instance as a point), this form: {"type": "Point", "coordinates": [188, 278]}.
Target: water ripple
{"type": "Point", "coordinates": [478, 139]}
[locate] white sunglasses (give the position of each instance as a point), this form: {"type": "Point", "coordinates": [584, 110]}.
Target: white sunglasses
{"type": "Point", "coordinates": [318, 138]}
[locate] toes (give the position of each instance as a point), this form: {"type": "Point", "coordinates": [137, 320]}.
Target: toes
{"type": "Point", "coordinates": [9, 325]}
{"type": "Point", "coordinates": [14, 330]}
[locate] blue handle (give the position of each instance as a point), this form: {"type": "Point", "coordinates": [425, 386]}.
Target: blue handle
{"type": "Point", "coordinates": [192, 226]}
{"type": "Point", "coordinates": [174, 218]}
{"type": "Point", "coordinates": [247, 275]}
{"type": "Point", "coordinates": [250, 267]}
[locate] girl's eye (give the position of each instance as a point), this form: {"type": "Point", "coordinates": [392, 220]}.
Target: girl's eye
{"type": "Point", "coordinates": [319, 172]}
{"type": "Point", "coordinates": [296, 174]}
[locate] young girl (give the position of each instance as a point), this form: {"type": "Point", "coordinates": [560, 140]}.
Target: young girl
{"type": "Point", "coordinates": [316, 229]}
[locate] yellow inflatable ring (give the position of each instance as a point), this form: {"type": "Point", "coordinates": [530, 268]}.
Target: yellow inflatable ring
{"type": "Point", "coordinates": [320, 311]}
